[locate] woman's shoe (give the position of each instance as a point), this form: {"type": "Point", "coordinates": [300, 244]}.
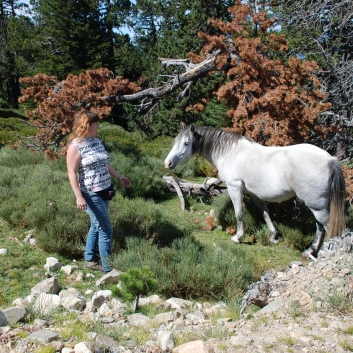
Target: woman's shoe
{"type": "Point", "coordinates": [92, 265]}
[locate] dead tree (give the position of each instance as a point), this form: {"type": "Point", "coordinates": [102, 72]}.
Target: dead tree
{"type": "Point", "coordinates": [210, 187]}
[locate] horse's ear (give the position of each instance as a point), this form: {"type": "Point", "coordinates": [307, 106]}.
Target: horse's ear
{"type": "Point", "coordinates": [192, 128]}
{"type": "Point", "coordinates": [182, 126]}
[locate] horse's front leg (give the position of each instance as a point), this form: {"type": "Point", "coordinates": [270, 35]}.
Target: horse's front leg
{"type": "Point", "coordinates": [235, 191]}
{"type": "Point", "coordinates": [262, 207]}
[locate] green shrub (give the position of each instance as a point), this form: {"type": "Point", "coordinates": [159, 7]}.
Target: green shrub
{"type": "Point", "coordinates": [12, 129]}
{"type": "Point", "coordinates": [195, 166]}
{"type": "Point", "coordinates": [142, 219]}
{"type": "Point", "coordinates": [294, 237]}
{"type": "Point", "coordinates": [37, 194]}
{"type": "Point", "coordinates": [225, 215]}
{"type": "Point", "coordinates": [187, 269]}
{"type": "Point", "coordinates": [145, 175]}
{"type": "Point", "coordinates": [136, 282]}
{"type": "Point", "coordinates": [115, 138]}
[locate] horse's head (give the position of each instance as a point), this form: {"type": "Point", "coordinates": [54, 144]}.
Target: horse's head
{"type": "Point", "coordinates": [182, 148]}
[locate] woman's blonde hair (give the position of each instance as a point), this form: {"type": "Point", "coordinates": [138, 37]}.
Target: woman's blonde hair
{"type": "Point", "coordinates": [82, 123]}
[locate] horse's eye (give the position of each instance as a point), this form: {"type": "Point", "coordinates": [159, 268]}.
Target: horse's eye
{"type": "Point", "coordinates": [186, 143]}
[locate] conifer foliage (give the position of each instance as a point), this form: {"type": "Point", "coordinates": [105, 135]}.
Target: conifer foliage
{"type": "Point", "coordinates": [58, 102]}
{"type": "Point", "coordinates": [274, 101]}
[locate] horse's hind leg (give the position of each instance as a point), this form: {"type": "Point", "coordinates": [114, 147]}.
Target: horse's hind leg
{"type": "Point", "coordinates": [322, 217]}
{"type": "Point", "coordinates": [262, 207]}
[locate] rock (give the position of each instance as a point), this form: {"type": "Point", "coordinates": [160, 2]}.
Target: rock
{"type": "Point", "coordinates": [271, 307]}
{"type": "Point", "coordinates": [100, 297]}
{"type": "Point", "coordinates": [43, 336]}
{"type": "Point", "coordinates": [68, 269]}
{"type": "Point", "coordinates": [164, 318]}
{"type": "Point", "coordinates": [67, 350]}
{"type": "Point", "coordinates": [3, 252]}
{"type": "Point", "coordinates": [139, 320]}
{"type": "Point", "coordinates": [241, 341]}
{"type": "Point", "coordinates": [70, 300]}
{"type": "Point", "coordinates": [46, 303]}
{"type": "Point", "coordinates": [192, 347]}
{"type": "Point", "coordinates": [12, 315]}
{"type": "Point", "coordinates": [165, 340]}
{"type": "Point", "coordinates": [107, 342]}
{"type": "Point", "coordinates": [153, 299]}
{"type": "Point", "coordinates": [177, 303]}
{"type": "Point", "coordinates": [52, 264]}
{"type": "Point", "coordinates": [111, 277]}
{"type": "Point", "coordinates": [50, 285]}
{"type": "Point", "coordinates": [83, 347]}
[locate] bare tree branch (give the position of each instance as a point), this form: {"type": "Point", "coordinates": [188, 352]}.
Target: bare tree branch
{"type": "Point", "coordinates": [193, 72]}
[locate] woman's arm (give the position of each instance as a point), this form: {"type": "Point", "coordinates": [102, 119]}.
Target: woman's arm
{"type": "Point", "coordinates": [125, 182]}
{"type": "Point", "coordinates": [72, 161]}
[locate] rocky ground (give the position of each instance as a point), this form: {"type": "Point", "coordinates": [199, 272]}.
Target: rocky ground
{"type": "Point", "coordinates": [305, 309]}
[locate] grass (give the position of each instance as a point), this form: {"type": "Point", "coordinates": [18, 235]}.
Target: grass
{"type": "Point", "coordinates": [26, 262]}
{"type": "Point", "coordinates": [346, 345]}
{"type": "Point", "coordinates": [22, 268]}
{"type": "Point", "coordinates": [289, 341]}
{"type": "Point", "coordinates": [295, 310]}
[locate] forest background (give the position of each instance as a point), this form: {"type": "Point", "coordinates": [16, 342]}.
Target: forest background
{"type": "Point", "coordinates": [278, 71]}
{"type": "Point", "coordinates": [282, 72]}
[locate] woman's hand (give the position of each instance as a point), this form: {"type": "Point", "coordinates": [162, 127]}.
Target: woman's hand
{"type": "Point", "coordinates": [124, 181]}
{"type": "Point", "coordinates": [81, 203]}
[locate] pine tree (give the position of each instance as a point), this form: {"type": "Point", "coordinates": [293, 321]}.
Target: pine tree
{"type": "Point", "coordinates": [14, 33]}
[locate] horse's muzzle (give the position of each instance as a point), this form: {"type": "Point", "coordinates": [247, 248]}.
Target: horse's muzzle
{"type": "Point", "coordinates": [168, 164]}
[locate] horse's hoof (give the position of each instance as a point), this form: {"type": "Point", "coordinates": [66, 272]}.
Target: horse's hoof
{"type": "Point", "coordinates": [274, 241]}
{"type": "Point", "coordinates": [235, 239]}
{"type": "Point", "coordinates": [309, 254]}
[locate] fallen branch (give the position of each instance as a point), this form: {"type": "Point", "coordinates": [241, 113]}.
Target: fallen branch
{"type": "Point", "coordinates": [210, 187]}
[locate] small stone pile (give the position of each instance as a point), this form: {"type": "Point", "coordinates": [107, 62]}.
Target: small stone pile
{"type": "Point", "coordinates": [304, 309]}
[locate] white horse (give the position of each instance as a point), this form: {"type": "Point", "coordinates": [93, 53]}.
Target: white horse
{"type": "Point", "coordinates": [272, 174]}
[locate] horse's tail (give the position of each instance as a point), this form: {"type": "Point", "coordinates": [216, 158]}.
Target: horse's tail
{"type": "Point", "coordinates": [337, 201]}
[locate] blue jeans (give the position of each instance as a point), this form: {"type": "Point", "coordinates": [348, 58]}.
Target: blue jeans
{"type": "Point", "coordinates": [101, 232]}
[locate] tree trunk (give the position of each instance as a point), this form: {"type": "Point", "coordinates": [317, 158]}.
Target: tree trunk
{"type": "Point", "coordinates": [210, 187]}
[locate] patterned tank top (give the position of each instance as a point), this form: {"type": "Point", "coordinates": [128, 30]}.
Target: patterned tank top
{"type": "Point", "coordinates": [93, 173]}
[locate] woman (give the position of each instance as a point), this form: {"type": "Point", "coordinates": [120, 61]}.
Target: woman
{"type": "Point", "coordinates": [90, 172]}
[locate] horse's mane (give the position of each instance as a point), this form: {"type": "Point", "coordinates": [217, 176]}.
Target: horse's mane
{"type": "Point", "coordinates": [209, 140]}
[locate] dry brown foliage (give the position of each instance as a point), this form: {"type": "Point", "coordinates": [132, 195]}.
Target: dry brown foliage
{"type": "Point", "coordinates": [276, 102]}
{"type": "Point", "coordinates": [348, 176]}
{"type": "Point", "coordinates": [209, 223]}
{"type": "Point", "coordinates": [230, 230]}
{"type": "Point", "coordinates": [57, 103]}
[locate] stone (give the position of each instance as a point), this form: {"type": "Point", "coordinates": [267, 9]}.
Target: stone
{"type": "Point", "coordinates": [67, 350]}
{"type": "Point", "coordinates": [50, 285]}
{"type": "Point", "coordinates": [68, 269]}
{"type": "Point", "coordinates": [139, 320]}
{"type": "Point", "coordinates": [46, 303]}
{"type": "Point", "coordinates": [177, 303]}
{"type": "Point", "coordinates": [165, 340]}
{"type": "Point", "coordinates": [3, 252]}
{"type": "Point", "coordinates": [43, 336]}
{"type": "Point", "coordinates": [83, 347]}
{"type": "Point", "coordinates": [52, 264]}
{"type": "Point", "coordinates": [192, 347]}
{"type": "Point", "coordinates": [12, 315]}
{"type": "Point", "coordinates": [100, 297]}
{"type": "Point", "coordinates": [111, 277]}
{"type": "Point", "coordinates": [275, 305]}
{"type": "Point", "coordinates": [164, 318]}
{"type": "Point", "coordinates": [241, 341]}
{"type": "Point", "coordinates": [106, 342]}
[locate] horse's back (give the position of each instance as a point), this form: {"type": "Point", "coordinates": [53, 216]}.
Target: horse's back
{"type": "Point", "coordinates": [279, 173]}
{"type": "Point", "coordinates": [305, 169]}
